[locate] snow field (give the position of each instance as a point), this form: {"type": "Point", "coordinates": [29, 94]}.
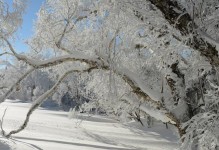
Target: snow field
{"type": "Point", "coordinates": [53, 130]}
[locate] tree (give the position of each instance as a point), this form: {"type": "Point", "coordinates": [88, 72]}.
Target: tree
{"type": "Point", "coordinates": [147, 55]}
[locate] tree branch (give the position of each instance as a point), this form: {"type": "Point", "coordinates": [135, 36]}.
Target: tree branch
{"type": "Point", "coordinates": [42, 98]}
{"type": "Point", "coordinates": [172, 11]}
{"type": "Point", "coordinates": [6, 53]}
{"type": "Point", "coordinates": [11, 89]}
{"type": "Point", "coordinates": [1, 122]}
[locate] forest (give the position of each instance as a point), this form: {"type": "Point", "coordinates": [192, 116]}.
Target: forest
{"type": "Point", "coordinates": [152, 62]}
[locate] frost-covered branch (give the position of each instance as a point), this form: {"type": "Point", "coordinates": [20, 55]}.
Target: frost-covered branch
{"type": "Point", "coordinates": [6, 53]}
{"type": "Point", "coordinates": [15, 54]}
{"type": "Point", "coordinates": [43, 97]}
{"type": "Point", "coordinates": [11, 89]}
{"type": "Point", "coordinates": [76, 56]}
{"type": "Point", "coordinates": [2, 121]}
{"type": "Point", "coordinates": [59, 43]}
{"type": "Point", "coordinates": [152, 107]}
{"type": "Point", "coordinates": [171, 10]}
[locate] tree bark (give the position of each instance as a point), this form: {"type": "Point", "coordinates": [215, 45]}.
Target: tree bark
{"type": "Point", "coordinates": [170, 10]}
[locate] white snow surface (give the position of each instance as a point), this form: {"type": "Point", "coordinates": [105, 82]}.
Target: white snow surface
{"type": "Point", "coordinates": [53, 130]}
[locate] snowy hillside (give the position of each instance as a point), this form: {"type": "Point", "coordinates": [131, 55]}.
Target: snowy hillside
{"type": "Point", "coordinates": [52, 130]}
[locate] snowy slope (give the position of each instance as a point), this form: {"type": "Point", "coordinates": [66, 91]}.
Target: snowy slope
{"type": "Point", "coordinates": [52, 130]}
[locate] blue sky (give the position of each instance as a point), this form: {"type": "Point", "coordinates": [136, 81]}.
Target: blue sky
{"type": "Point", "coordinates": [26, 30]}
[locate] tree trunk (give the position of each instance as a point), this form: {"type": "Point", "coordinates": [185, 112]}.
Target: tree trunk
{"type": "Point", "coordinates": [170, 10]}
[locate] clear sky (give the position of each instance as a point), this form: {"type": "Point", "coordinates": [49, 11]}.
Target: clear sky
{"type": "Point", "coordinates": [26, 30]}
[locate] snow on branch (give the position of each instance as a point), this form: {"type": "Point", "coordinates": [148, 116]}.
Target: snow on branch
{"type": "Point", "coordinates": [6, 53]}
{"type": "Point", "coordinates": [43, 97]}
{"type": "Point", "coordinates": [138, 87]}
{"type": "Point", "coordinates": [11, 89]}
{"type": "Point", "coordinates": [172, 11]}
{"type": "Point", "coordinates": [75, 56]}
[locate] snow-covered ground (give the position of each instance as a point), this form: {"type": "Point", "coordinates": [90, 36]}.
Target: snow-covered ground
{"type": "Point", "coordinates": [52, 130]}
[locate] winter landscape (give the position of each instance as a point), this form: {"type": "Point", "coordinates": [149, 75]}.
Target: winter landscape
{"type": "Point", "coordinates": [53, 130]}
{"type": "Point", "coordinates": [109, 75]}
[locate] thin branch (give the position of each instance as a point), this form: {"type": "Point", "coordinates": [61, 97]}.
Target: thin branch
{"type": "Point", "coordinates": [11, 89]}
{"type": "Point", "coordinates": [6, 53]}
{"type": "Point", "coordinates": [42, 98]}
{"type": "Point", "coordinates": [59, 43]}
{"type": "Point", "coordinates": [3, 87]}
{"type": "Point", "coordinates": [19, 57]}
{"type": "Point", "coordinates": [1, 122]}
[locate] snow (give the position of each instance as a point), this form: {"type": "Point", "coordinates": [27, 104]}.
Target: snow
{"type": "Point", "coordinates": [154, 95]}
{"type": "Point", "coordinates": [209, 39]}
{"type": "Point", "coordinates": [4, 145]}
{"type": "Point", "coordinates": [75, 56]}
{"type": "Point", "coordinates": [52, 130]}
{"type": "Point", "coordinates": [150, 110]}
{"type": "Point", "coordinates": [155, 113]}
